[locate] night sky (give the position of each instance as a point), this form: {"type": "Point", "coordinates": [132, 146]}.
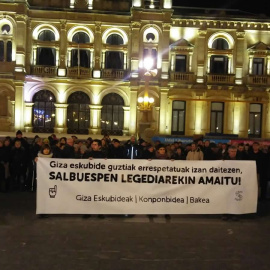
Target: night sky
{"type": "Point", "coordinates": [263, 7]}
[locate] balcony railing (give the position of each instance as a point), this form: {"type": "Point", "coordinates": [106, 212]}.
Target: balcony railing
{"type": "Point", "coordinates": [114, 74]}
{"type": "Point", "coordinates": [182, 77]}
{"type": "Point", "coordinates": [258, 80]}
{"type": "Point", "coordinates": [221, 78]}
{"type": "Point", "coordinates": [79, 72]}
{"type": "Point", "coordinates": [44, 71]}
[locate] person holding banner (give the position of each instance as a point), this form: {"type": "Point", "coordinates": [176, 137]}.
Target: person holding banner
{"type": "Point", "coordinates": [94, 153]}
{"type": "Point", "coordinates": [260, 158]}
{"type": "Point", "coordinates": [231, 155]}
{"type": "Point", "coordinates": [132, 149]}
{"type": "Point", "coordinates": [195, 153]}
{"type": "Point", "coordinates": [95, 150]}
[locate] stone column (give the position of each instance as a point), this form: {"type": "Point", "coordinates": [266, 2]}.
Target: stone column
{"type": "Point", "coordinates": [97, 46]}
{"type": "Point", "coordinates": [95, 117]}
{"type": "Point", "coordinates": [163, 119]}
{"type": "Point", "coordinates": [240, 54]}
{"type": "Point", "coordinates": [201, 53]}
{"type": "Point", "coordinates": [133, 111]}
{"type": "Point", "coordinates": [19, 106]}
{"type": "Point", "coordinates": [126, 120]}
{"type": "Point", "coordinates": [28, 116]}
{"type": "Point", "coordinates": [60, 118]}
{"type": "Point", "coordinates": [12, 114]}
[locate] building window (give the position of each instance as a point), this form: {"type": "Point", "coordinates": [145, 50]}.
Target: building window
{"type": "Point", "coordinates": [114, 39]}
{"type": "Point", "coordinates": [43, 112]}
{"type": "Point", "coordinates": [80, 57]}
{"type": "Point", "coordinates": [114, 60]}
{"type": "Point", "coordinates": [152, 53]}
{"type": "Point", "coordinates": [150, 37]}
{"type": "Point", "coordinates": [180, 63]}
{"type": "Point", "coordinates": [178, 117]}
{"type": "Point", "coordinates": [5, 51]}
{"type": "Point", "coordinates": [255, 120]}
{"type": "Point", "coordinates": [46, 56]}
{"type": "Point", "coordinates": [257, 67]}
{"type": "Point", "coordinates": [220, 44]}
{"type": "Point", "coordinates": [112, 115]}
{"type": "Point", "coordinates": [46, 35]}
{"type": "Point", "coordinates": [81, 37]}
{"type": "Point", "coordinates": [219, 64]}
{"type": "Point", "coordinates": [6, 29]}
{"type": "Point", "coordinates": [2, 51]}
{"type": "Point", "coordinates": [78, 113]}
{"type": "Point", "coordinates": [9, 51]}
{"type": "Point", "coordinates": [217, 113]}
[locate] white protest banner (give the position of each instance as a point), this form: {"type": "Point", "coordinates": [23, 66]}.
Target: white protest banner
{"type": "Point", "coordinates": [82, 186]}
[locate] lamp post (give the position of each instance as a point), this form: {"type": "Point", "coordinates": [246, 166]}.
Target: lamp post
{"type": "Point", "coordinates": [145, 103]}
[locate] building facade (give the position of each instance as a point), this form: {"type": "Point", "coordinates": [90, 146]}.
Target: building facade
{"type": "Point", "coordinates": [77, 67]}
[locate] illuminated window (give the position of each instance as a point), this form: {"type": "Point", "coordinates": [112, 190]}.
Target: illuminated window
{"type": "Point", "coordinates": [257, 67]}
{"type": "Point", "coordinates": [219, 64]}
{"type": "Point", "coordinates": [220, 44]}
{"type": "Point", "coordinates": [43, 116]}
{"type": "Point", "coordinates": [178, 117]}
{"type": "Point", "coordinates": [115, 39]}
{"type": "Point", "coordinates": [217, 115]}
{"type": "Point", "coordinates": [152, 53]}
{"type": "Point", "coordinates": [114, 60]}
{"type": "Point", "coordinates": [255, 120]}
{"type": "Point", "coordinates": [46, 35]}
{"type": "Point", "coordinates": [46, 56]}
{"type": "Point", "coordinates": [80, 57]}
{"type": "Point", "coordinates": [112, 114]}
{"type": "Point", "coordinates": [180, 63]}
{"type": "Point", "coordinates": [5, 29]}
{"type": "Point", "coordinates": [78, 113]}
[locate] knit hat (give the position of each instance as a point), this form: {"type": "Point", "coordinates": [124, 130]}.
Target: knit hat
{"type": "Point", "coordinates": [18, 132]}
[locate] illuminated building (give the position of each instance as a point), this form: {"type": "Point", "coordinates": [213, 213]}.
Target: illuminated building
{"type": "Point", "coordinates": [76, 66]}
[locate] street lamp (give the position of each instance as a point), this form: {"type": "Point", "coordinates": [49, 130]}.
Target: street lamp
{"type": "Point", "coordinates": [145, 103]}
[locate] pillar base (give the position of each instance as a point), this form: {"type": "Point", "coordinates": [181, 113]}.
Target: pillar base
{"type": "Point", "coordinates": [60, 130]}
{"type": "Point", "coordinates": [94, 131]}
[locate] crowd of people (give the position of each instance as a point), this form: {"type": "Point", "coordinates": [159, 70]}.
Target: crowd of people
{"type": "Point", "coordinates": [18, 156]}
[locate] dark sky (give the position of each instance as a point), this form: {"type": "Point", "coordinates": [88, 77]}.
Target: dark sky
{"type": "Point", "coordinates": [263, 7]}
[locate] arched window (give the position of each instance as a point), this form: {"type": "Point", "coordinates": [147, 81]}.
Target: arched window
{"type": "Point", "coordinates": [46, 56]}
{"type": "Point", "coordinates": [112, 114]}
{"type": "Point", "coordinates": [46, 35]}
{"type": "Point", "coordinates": [43, 116]}
{"type": "Point", "coordinates": [80, 57]}
{"type": "Point", "coordinates": [81, 37]}
{"type": "Point", "coordinates": [78, 113]}
{"type": "Point", "coordinates": [220, 44]}
{"type": "Point", "coordinates": [115, 39]}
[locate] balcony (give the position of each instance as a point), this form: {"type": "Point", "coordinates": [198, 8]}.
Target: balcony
{"type": "Point", "coordinates": [44, 71]}
{"type": "Point", "coordinates": [258, 80]}
{"type": "Point", "coordinates": [7, 67]}
{"type": "Point", "coordinates": [80, 72]}
{"type": "Point", "coordinates": [182, 77]}
{"type": "Point", "coordinates": [221, 78]}
{"type": "Point", "coordinates": [118, 74]}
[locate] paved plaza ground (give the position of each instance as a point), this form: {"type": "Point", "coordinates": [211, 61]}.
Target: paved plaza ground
{"type": "Point", "coordinates": [116, 242]}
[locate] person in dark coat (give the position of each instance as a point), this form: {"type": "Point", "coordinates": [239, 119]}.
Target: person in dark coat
{"type": "Point", "coordinates": [149, 152]}
{"type": "Point", "coordinates": [116, 150]}
{"type": "Point", "coordinates": [178, 154]}
{"type": "Point", "coordinates": [68, 150]}
{"type": "Point", "coordinates": [132, 149]}
{"type": "Point", "coordinates": [260, 158]}
{"type": "Point", "coordinates": [17, 165]}
{"type": "Point", "coordinates": [95, 150]}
